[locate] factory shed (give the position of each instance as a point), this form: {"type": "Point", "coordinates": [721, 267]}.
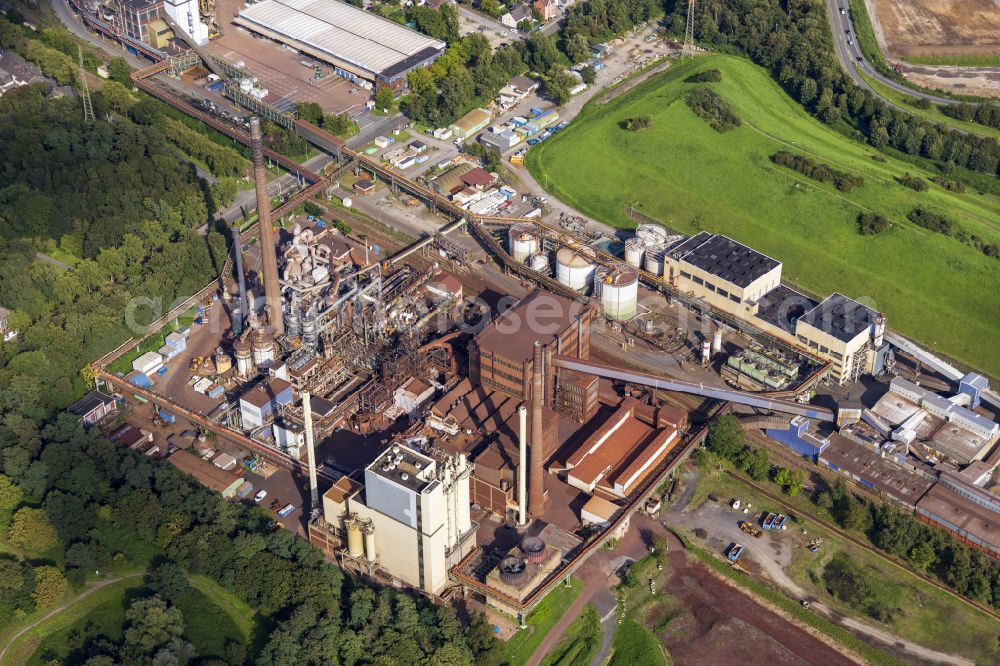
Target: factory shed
{"type": "Point", "coordinates": [798, 438]}
{"type": "Point", "coordinates": [972, 523]}
{"type": "Point", "coordinates": [470, 123]}
{"type": "Point", "coordinates": [874, 472]}
{"type": "Point", "coordinates": [205, 473]}
{"type": "Point", "coordinates": [619, 454]}
{"type": "Point", "coordinates": [357, 43]}
{"type": "Point", "coordinates": [92, 407]}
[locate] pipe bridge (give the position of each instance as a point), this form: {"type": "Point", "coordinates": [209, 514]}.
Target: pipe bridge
{"type": "Point", "coordinates": [758, 400]}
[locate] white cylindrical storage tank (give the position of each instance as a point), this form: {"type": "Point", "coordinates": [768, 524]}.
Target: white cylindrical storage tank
{"type": "Point", "coordinates": [539, 262]}
{"type": "Point", "coordinates": [523, 241]}
{"type": "Point", "coordinates": [355, 544]}
{"type": "Point", "coordinates": [634, 249]}
{"type": "Point", "coordinates": [244, 363]}
{"type": "Point", "coordinates": [717, 341]}
{"type": "Point", "coordinates": [620, 292]}
{"type": "Point", "coordinates": [574, 270]}
{"type": "Point", "coordinates": [368, 528]}
{"type": "Point", "coordinates": [652, 234]}
{"type": "Point", "coordinates": [263, 347]}
{"type": "Point", "coordinates": [654, 260]}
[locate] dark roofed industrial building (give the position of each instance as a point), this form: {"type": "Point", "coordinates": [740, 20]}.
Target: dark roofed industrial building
{"type": "Point", "coordinates": [842, 317]}
{"type": "Point", "coordinates": [724, 258]}
{"type": "Point", "coordinates": [500, 357]}
{"type": "Point", "coordinates": [93, 407]}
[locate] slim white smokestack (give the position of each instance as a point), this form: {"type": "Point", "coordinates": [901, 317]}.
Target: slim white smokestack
{"type": "Point", "coordinates": [310, 448]}
{"type": "Point", "coordinates": [522, 466]}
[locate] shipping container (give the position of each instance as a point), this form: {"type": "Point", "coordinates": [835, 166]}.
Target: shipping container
{"type": "Point", "coordinates": [244, 490]}
{"type": "Point", "coordinates": [166, 416]}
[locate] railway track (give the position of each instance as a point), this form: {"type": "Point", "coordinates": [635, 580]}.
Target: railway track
{"type": "Point", "coordinates": [847, 536]}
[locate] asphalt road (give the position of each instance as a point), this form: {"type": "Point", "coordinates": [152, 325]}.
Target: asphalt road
{"type": "Point", "coordinates": [852, 60]}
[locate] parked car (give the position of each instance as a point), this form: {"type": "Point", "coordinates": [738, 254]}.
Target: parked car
{"type": "Point", "coordinates": [533, 142]}
{"type": "Point", "coordinates": [261, 494]}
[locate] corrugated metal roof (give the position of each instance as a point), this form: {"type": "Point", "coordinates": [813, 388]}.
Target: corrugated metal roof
{"type": "Point", "coordinates": [344, 31]}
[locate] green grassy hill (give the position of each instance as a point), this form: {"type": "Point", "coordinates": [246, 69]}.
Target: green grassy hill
{"type": "Point", "coordinates": [935, 289]}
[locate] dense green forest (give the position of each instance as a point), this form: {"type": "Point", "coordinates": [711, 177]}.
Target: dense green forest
{"type": "Point", "coordinates": [117, 200]}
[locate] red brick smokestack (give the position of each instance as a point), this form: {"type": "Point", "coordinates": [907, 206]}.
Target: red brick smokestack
{"type": "Point", "coordinates": [268, 253]}
{"type": "Point", "coordinates": [536, 486]}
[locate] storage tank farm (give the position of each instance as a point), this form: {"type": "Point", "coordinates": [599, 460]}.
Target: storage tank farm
{"type": "Point", "coordinates": [524, 240]}
{"type": "Point", "coordinates": [618, 290]}
{"type": "Point", "coordinates": [573, 269]}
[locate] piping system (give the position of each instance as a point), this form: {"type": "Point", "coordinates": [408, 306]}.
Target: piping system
{"type": "Point", "coordinates": [536, 489]}
{"type": "Point", "coordinates": [522, 466]}
{"type": "Point", "coordinates": [268, 252]}
{"type": "Point", "coordinates": [310, 448]}
{"type": "Point", "coordinates": [239, 321]}
{"type": "Point", "coordinates": [759, 400]}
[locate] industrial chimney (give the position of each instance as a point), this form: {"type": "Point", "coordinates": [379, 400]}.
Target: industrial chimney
{"type": "Point", "coordinates": [310, 448]}
{"type": "Point", "coordinates": [239, 320]}
{"type": "Point", "coordinates": [536, 489]}
{"type": "Point", "coordinates": [522, 466]}
{"type": "Point", "coordinates": [268, 253]}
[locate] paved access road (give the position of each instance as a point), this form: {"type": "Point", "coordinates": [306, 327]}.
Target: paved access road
{"type": "Point", "coordinates": [852, 60]}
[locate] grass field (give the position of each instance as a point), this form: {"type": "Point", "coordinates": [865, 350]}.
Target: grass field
{"type": "Point", "coordinates": [27, 645]}
{"type": "Point", "coordinates": [212, 616]}
{"type": "Point", "coordinates": [522, 645]}
{"type": "Point", "coordinates": [970, 60]}
{"type": "Point", "coordinates": [680, 171]}
{"type": "Point", "coordinates": [634, 645]}
{"type": "Point", "coordinates": [926, 615]}
{"type": "Point", "coordinates": [580, 643]}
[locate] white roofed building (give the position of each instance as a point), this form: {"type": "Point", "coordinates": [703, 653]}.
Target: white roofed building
{"type": "Point", "coordinates": [359, 45]}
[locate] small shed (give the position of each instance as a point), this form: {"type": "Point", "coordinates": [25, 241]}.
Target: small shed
{"type": "Point", "coordinates": [364, 187]}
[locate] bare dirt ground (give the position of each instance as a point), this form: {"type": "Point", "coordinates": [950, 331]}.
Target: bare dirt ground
{"type": "Point", "coordinates": [937, 27]}
{"type": "Point", "coordinates": [979, 81]}
{"type": "Point", "coordinates": [941, 28]}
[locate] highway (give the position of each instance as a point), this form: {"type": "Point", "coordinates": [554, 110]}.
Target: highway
{"type": "Point", "coordinates": [852, 60]}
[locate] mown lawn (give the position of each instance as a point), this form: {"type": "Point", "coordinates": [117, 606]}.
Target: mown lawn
{"type": "Point", "coordinates": [683, 173]}
{"type": "Point", "coordinates": [522, 645]}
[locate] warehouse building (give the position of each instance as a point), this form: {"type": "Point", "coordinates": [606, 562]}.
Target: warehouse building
{"type": "Point", "coordinates": [845, 332]}
{"type": "Point", "coordinates": [359, 45]}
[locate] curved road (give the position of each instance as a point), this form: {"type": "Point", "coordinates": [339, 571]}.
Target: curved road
{"type": "Point", "coordinates": [851, 58]}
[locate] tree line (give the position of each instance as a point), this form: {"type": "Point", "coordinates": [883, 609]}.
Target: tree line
{"type": "Point", "coordinates": [842, 180]}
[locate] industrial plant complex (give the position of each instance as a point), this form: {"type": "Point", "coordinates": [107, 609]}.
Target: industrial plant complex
{"type": "Point", "coordinates": [477, 410]}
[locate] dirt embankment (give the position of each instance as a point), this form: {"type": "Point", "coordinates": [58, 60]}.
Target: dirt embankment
{"type": "Point", "coordinates": [936, 27]}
